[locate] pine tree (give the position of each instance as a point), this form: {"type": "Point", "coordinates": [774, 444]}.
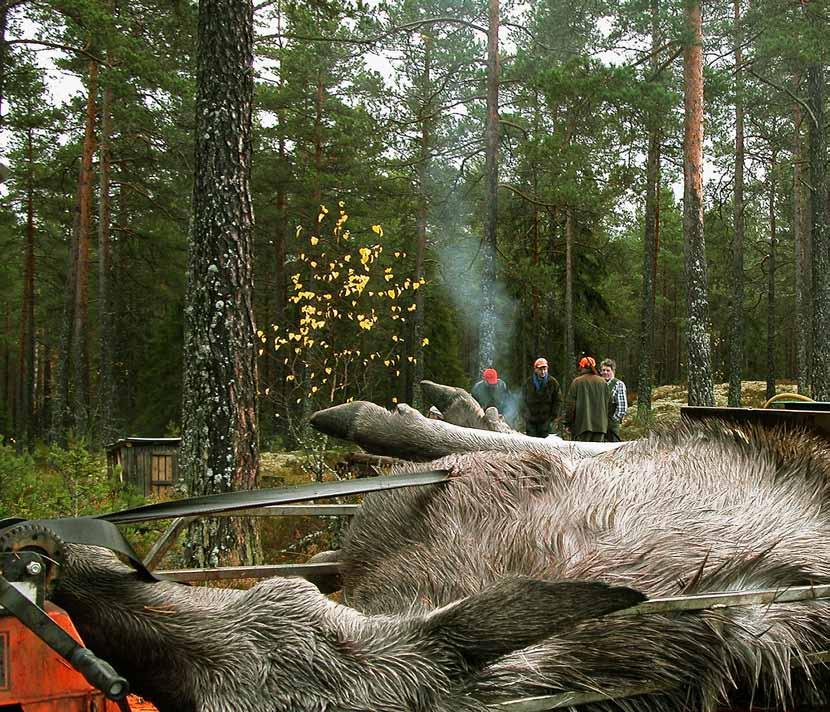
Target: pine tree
{"type": "Point", "coordinates": [219, 449]}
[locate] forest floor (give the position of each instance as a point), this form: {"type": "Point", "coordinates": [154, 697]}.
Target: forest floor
{"type": "Point", "coordinates": [666, 402]}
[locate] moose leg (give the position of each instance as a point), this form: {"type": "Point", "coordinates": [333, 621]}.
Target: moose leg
{"type": "Point", "coordinates": [406, 434]}
{"type": "Point", "coordinates": [460, 408]}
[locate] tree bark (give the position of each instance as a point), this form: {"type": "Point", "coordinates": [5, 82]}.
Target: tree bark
{"type": "Point", "coordinates": [61, 402]}
{"type": "Point", "coordinates": [649, 275]}
{"type": "Point", "coordinates": [319, 100]}
{"type": "Point", "coordinates": [6, 365]}
{"type": "Point", "coordinates": [773, 238]}
{"type": "Point", "coordinates": [801, 250]}
{"type": "Point", "coordinates": [425, 150]}
{"type": "Point", "coordinates": [219, 441]}
{"type": "Point", "coordinates": [538, 345]}
{"type": "Point", "coordinates": [4, 20]}
{"type": "Point", "coordinates": [488, 319]}
{"type": "Point", "coordinates": [699, 353]}
{"type": "Point", "coordinates": [25, 375]}
{"type": "Point", "coordinates": [820, 372]}
{"type": "Point", "coordinates": [79, 390]}
{"type": "Point", "coordinates": [278, 397]}
{"type": "Point", "coordinates": [45, 396]}
{"type": "Point", "coordinates": [277, 394]}
{"type": "Point", "coordinates": [570, 345]}
{"type": "Point", "coordinates": [737, 316]}
{"type": "Point", "coordinates": [106, 429]}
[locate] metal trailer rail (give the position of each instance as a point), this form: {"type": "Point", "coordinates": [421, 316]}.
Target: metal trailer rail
{"type": "Point", "coordinates": [168, 539]}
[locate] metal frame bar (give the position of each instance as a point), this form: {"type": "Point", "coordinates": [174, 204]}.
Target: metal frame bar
{"type": "Point", "coordinates": [242, 572]}
{"type": "Point", "coordinates": [696, 602]}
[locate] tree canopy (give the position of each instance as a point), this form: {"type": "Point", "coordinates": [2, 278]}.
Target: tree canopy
{"type": "Point", "coordinates": [373, 253]}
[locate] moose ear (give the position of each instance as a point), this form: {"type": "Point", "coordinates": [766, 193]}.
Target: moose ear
{"type": "Point", "coordinates": [517, 612]}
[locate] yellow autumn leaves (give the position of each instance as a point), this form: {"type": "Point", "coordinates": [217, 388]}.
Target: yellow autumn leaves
{"type": "Point", "coordinates": [352, 303]}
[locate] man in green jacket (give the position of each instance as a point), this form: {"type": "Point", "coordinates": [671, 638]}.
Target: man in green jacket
{"type": "Point", "coordinates": [541, 400]}
{"type": "Point", "coordinates": [588, 403]}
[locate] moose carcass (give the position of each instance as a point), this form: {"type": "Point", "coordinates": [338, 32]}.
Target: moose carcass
{"type": "Point", "coordinates": [284, 647]}
{"type": "Point", "coordinates": [492, 586]}
{"type": "Point", "coordinates": [710, 508]}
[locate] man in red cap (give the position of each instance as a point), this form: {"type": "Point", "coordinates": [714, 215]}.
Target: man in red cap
{"type": "Point", "coordinates": [490, 391]}
{"type": "Point", "coordinates": [541, 400]}
{"type": "Point", "coordinates": [588, 403]}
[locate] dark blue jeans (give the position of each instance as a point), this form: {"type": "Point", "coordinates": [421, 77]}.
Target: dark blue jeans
{"type": "Point", "coordinates": [538, 430]}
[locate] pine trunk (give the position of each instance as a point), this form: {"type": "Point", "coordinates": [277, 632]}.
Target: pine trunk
{"type": "Point", "coordinates": [277, 396]}
{"type": "Point", "coordinates": [79, 390]}
{"type": "Point", "coordinates": [219, 429]}
{"type": "Point", "coordinates": [570, 345]}
{"type": "Point", "coordinates": [801, 250]}
{"type": "Point", "coordinates": [416, 348]}
{"type": "Point", "coordinates": [4, 21]}
{"type": "Point", "coordinates": [319, 99]}
{"type": "Point", "coordinates": [487, 323]}
{"type": "Point", "coordinates": [25, 373]}
{"type": "Point", "coordinates": [699, 353]}
{"type": "Point", "coordinates": [736, 331]}
{"type": "Point", "coordinates": [105, 430]}
{"type": "Point", "coordinates": [645, 379]}
{"type": "Point", "coordinates": [771, 284]}
{"type": "Point", "coordinates": [820, 371]}
{"type": "Point", "coordinates": [540, 345]}
{"type": "Point", "coordinates": [61, 401]}
{"type": "Point", "coordinates": [45, 396]}
{"type": "Point", "coordinates": [6, 397]}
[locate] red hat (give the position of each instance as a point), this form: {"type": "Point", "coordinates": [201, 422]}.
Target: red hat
{"type": "Point", "coordinates": [490, 375]}
{"type": "Point", "coordinates": [539, 362]}
{"type": "Point", "coordinates": [587, 362]}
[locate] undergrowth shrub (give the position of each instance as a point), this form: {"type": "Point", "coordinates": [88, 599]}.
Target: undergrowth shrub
{"type": "Point", "coordinates": [73, 482]}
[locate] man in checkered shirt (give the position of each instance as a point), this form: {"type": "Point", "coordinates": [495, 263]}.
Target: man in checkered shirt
{"type": "Point", "coordinates": [618, 396]}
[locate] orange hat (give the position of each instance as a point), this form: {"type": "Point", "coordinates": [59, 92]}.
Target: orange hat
{"type": "Point", "coordinates": [587, 362]}
{"type": "Point", "coordinates": [491, 376]}
{"type": "Point", "coordinates": [539, 362]}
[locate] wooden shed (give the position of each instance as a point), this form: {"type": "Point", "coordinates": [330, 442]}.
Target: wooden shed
{"type": "Point", "coordinates": [149, 465]}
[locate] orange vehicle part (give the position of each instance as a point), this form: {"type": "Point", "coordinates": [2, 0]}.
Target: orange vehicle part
{"type": "Point", "coordinates": [34, 678]}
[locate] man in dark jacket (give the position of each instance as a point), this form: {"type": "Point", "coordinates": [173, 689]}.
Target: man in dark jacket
{"type": "Point", "coordinates": [588, 403]}
{"type": "Point", "coordinates": [541, 400]}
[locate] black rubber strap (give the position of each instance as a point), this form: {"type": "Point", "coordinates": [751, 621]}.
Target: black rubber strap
{"type": "Point", "coordinates": [92, 531]}
{"type": "Point", "coordinates": [246, 499]}
{"type": "Point", "coordinates": [101, 530]}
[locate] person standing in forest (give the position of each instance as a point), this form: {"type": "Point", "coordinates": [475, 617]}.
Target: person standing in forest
{"type": "Point", "coordinates": [588, 403]}
{"type": "Point", "coordinates": [607, 370]}
{"type": "Point", "coordinates": [541, 400]}
{"type": "Point", "coordinates": [490, 391]}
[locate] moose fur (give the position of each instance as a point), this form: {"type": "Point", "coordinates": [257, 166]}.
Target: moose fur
{"type": "Point", "coordinates": [497, 583]}
{"type": "Point", "coordinates": [284, 647]}
{"type": "Point", "coordinates": [704, 509]}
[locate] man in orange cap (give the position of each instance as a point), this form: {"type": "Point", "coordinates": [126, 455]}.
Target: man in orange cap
{"type": "Point", "coordinates": [490, 391]}
{"type": "Point", "coordinates": [541, 400]}
{"type": "Point", "coordinates": [588, 403]}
